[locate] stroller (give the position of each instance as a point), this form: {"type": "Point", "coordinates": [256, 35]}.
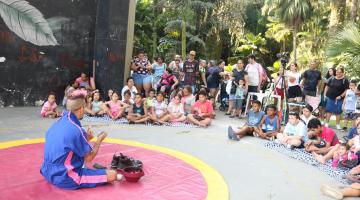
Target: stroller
{"type": "Point", "coordinates": [223, 97]}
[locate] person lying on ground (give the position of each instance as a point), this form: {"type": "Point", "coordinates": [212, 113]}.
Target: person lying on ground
{"type": "Point", "coordinates": [270, 122]}
{"type": "Point", "coordinates": [295, 132]}
{"type": "Point", "coordinates": [331, 139]}
{"type": "Point", "coordinates": [251, 126]}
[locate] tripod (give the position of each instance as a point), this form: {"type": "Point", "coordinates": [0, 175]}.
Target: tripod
{"type": "Point", "coordinates": [285, 113]}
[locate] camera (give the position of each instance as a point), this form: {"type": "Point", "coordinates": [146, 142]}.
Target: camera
{"type": "Point", "coordinates": [284, 58]}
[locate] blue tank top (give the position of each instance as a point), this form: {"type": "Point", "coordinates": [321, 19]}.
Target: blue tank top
{"type": "Point", "coordinates": [138, 110]}
{"type": "Point", "coordinates": [270, 126]}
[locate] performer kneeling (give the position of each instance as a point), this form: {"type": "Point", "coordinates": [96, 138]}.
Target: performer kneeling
{"type": "Point", "coordinates": [67, 148]}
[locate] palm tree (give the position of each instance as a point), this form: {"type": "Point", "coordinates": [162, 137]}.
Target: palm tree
{"type": "Point", "coordinates": [291, 12]}
{"type": "Point", "coordinates": [344, 47]}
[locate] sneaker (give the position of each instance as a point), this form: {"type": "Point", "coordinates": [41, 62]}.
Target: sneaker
{"type": "Point", "coordinates": [338, 127]}
{"type": "Point", "coordinates": [232, 135]}
{"type": "Point", "coordinates": [332, 192]}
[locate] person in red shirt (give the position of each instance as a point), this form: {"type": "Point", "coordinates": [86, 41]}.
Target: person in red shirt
{"type": "Point", "coordinates": [202, 111]}
{"type": "Point", "coordinates": [329, 136]}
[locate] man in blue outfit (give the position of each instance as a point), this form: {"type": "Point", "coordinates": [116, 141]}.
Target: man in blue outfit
{"type": "Point", "coordinates": [67, 148]}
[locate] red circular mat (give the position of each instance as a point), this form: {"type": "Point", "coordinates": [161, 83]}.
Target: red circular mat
{"type": "Point", "coordinates": [166, 177]}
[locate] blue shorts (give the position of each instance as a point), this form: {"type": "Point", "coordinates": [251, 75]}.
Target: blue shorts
{"type": "Point", "coordinates": [231, 97]}
{"type": "Point", "coordinates": [239, 103]}
{"type": "Point", "coordinates": [140, 79]}
{"type": "Point", "coordinates": [334, 106]}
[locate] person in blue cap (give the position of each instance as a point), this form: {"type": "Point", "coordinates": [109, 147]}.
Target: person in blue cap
{"type": "Point", "coordinates": [67, 148]}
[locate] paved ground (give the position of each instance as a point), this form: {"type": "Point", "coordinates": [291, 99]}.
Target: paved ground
{"type": "Point", "coordinates": [250, 170]}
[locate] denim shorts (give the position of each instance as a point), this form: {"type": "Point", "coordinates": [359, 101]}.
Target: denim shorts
{"type": "Point", "coordinates": [140, 79]}
{"type": "Point", "coordinates": [334, 106]}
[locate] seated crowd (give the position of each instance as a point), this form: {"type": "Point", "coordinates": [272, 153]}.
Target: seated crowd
{"type": "Point", "coordinates": [186, 91]}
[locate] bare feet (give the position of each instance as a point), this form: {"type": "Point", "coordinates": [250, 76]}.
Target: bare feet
{"type": "Point", "coordinates": [319, 158]}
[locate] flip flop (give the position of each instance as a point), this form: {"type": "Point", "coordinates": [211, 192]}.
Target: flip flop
{"type": "Point", "coordinates": [331, 192]}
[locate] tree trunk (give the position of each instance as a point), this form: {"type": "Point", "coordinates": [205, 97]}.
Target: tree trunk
{"type": "Point", "coordinates": [154, 29]}
{"type": "Point", "coordinates": [183, 37]}
{"type": "Point", "coordinates": [294, 42]}
{"type": "Point", "coordinates": [353, 11]}
{"type": "Point", "coordinates": [337, 14]}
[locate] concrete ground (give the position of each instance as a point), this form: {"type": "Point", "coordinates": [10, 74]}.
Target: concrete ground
{"type": "Point", "coordinates": [250, 170]}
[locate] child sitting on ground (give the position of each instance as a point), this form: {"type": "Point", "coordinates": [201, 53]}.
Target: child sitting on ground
{"type": "Point", "coordinates": [159, 109]}
{"type": "Point", "coordinates": [110, 93]}
{"type": "Point", "coordinates": [116, 107]}
{"type": "Point", "coordinates": [239, 98]}
{"type": "Point", "coordinates": [202, 111]}
{"type": "Point", "coordinates": [49, 108]}
{"type": "Point", "coordinates": [349, 105]}
{"type": "Point", "coordinates": [315, 140]}
{"type": "Point", "coordinates": [254, 116]}
{"type": "Point", "coordinates": [188, 99]}
{"type": "Point", "coordinates": [137, 113]}
{"type": "Point", "coordinates": [127, 100]}
{"type": "Point", "coordinates": [307, 114]}
{"type": "Point", "coordinates": [344, 157]}
{"type": "Point", "coordinates": [94, 105]}
{"type": "Point", "coordinates": [149, 101]}
{"type": "Point", "coordinates": [175, 111]}
{"type": "Point", "coordinates": [295, 132]}
{"type": "Point", "coordinates": [271, 124]}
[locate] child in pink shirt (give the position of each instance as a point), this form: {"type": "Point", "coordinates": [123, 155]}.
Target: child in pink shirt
{"type": "Point", "coordinates": [344, 156]}
{"type": "Point", "coordinates": [202, 111]}
{"type": "Point", "coordinates": [117, 107]}
{"type": "Point", "coordinates": [49, 107]}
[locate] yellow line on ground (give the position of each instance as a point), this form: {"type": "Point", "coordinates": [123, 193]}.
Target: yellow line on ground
{"type": "Point", "coordinates": [217, 188]}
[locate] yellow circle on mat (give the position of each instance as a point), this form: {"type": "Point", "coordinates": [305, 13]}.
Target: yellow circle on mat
{"type": "Point", "coordinates": [217, 188]}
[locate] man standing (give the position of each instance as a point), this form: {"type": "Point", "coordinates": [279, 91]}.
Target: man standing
{"type": "Point", "coordinates": [67, 148]}
{"type": "Point", "coordinates": [191, 71]}
{"type": "Point", "coordinates": [311, 84]}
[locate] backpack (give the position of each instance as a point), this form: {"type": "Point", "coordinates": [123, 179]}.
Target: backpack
{"type": "Point", "coordinates": [262, 72]}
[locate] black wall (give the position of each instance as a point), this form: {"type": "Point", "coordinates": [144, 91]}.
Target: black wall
{"type": "Point", "coordinates": [85, 30]}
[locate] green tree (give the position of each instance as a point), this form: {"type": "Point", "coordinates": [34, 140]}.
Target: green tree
{"type": "Point", "coordinates": [291, 12]}
{"type": "Point", "coordinates": [344, 48]}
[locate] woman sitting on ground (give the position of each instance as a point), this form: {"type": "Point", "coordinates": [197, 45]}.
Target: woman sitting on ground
{"type": "Point", "coordinates": [131, 87]}
{"type": "Point", "coordinates": [307, 114]}
{"type": "Point", "coordinates": [137, 113]}
{"type": "Point", "coordinates": [202, 111]}
{"type": "Point", "coordinates": [175, 111]}
{"type": "Point", "coordinates": [94, 105]}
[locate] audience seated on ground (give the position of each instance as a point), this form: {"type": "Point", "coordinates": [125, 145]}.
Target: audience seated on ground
{"type": "Point", "coordinates": [159, 109]}
{"type": "Point", "coordinates": [270, 124]}
{"type": "Point", "coordinates": [94, 106]}
{"type": "Point", "coordinates": [202, 111]}
{"type": "Point", "coordinates": [131, 87]}
{"type": "Point", "coordinates": [307, 114]}
{"type": "Point", "coordinates": [85, 81]}
{"type": "Point", "coordinates": [127, 100]}
{"type": "Point", "coordinates": [175, 111]}
{"type": "Point", "coordinates": [251, 126]}
{"type": "Point", "coordinates": [115, 108]}
{"type": "Point", "coordinates": [315, 128]}
{"type": "Point", "coordinates": [295, 132]}
{"type": "Point", "coordinates": [49, 109]}
{"type": "Point", "coordinates": [137, 113]}
{"type": "Point", "coordinates": [188, 99]}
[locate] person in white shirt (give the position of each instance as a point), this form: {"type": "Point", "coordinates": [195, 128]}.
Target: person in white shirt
{"type": "Point", "coordinates": [294, 89]}
{"type": "Point", "coordinates": [131, 87]}
{"type": "Point", "coordinates": [254, 74]}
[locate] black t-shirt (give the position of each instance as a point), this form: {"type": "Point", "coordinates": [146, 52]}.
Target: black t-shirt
{"type": "Point", "coordinates": [311, 79]}
{"type": "Point", "coordinates": [190, 70]}
{"type": "Point", "coordinates": [239, 74]}
{"type": "Point", "coordinates": [336, 87]}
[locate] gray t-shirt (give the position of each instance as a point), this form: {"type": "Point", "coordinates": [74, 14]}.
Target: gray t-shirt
{"type": "Point", "coordinates": [254, 118]}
